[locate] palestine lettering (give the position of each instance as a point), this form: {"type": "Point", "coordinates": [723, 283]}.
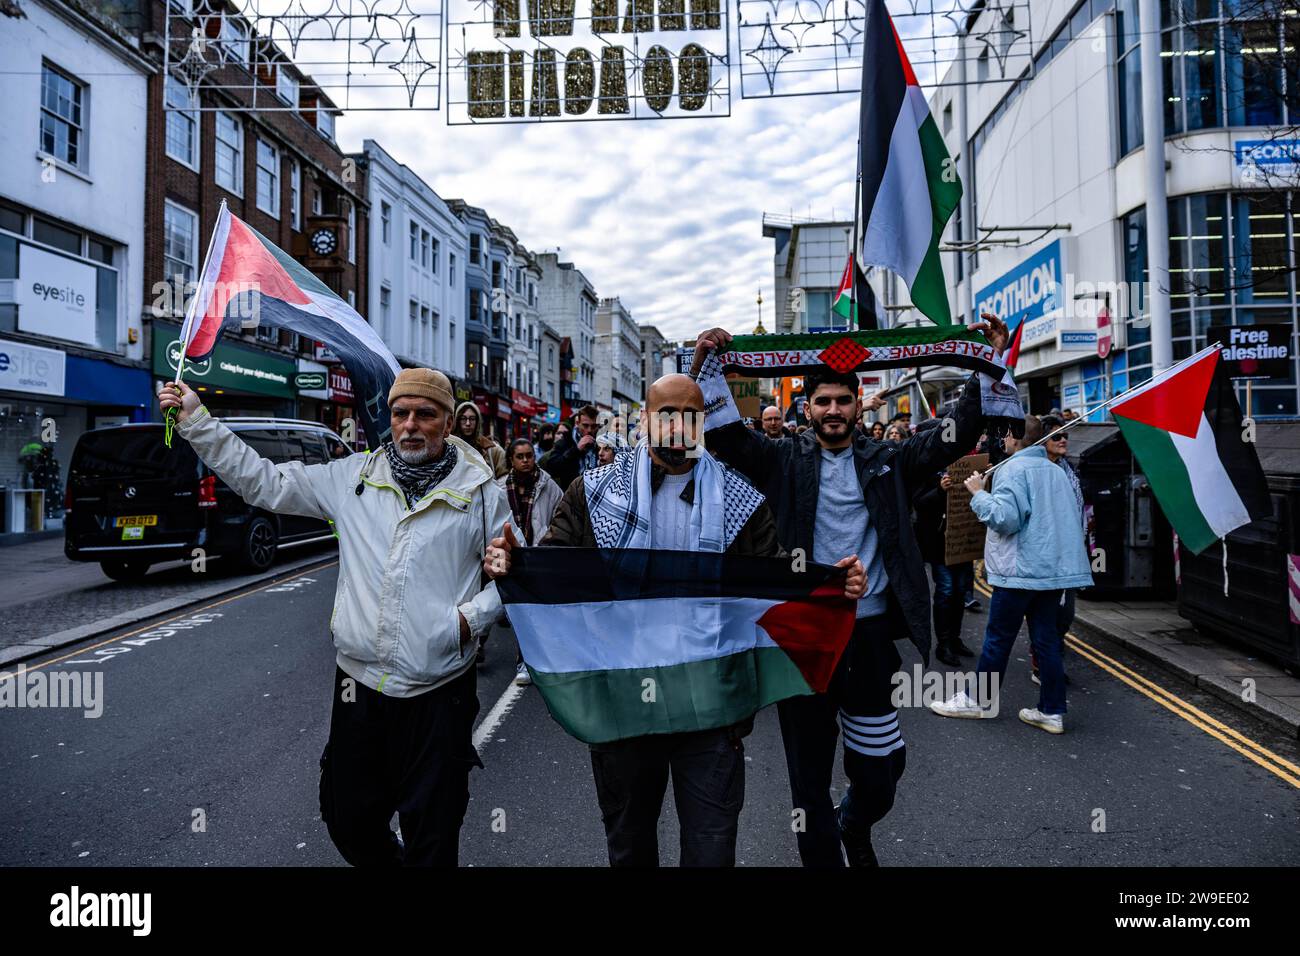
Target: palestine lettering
{"type": "Point", "coordinates": [1258, 349]}
{"type": "Point", "coordinates": [763, 359]}
{"type": "Point", "coordinates": [103, 909]}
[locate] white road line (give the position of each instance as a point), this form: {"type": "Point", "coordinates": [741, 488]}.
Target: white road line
{"type": "Point", "coordinates": [488, 726]}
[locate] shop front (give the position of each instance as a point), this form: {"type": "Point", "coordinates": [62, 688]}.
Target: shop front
{"type": "Point", "coordinates": [48, 398]}
{"type": "Point", "coordinates": [236, 380]}
{"type": "Point", "coordinates": [527, 413]}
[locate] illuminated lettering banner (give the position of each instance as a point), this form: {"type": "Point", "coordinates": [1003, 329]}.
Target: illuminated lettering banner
{"type": "Point", "coordinates": [528, 61]}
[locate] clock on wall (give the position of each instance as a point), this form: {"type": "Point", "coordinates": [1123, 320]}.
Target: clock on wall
{"type": "Point", "coordinates": [324, 242]}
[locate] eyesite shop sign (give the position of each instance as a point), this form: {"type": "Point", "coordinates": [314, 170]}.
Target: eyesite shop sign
{"type": "Point", "coordinates": [1029, 291]}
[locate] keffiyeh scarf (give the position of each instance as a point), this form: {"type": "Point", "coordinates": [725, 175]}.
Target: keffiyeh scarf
{"type": "Point", "coordinates": [619, 496]}
{"type": "Point", "coordinates": [416, 480]}
{"type": "Point", "coordinates": [521, 503]}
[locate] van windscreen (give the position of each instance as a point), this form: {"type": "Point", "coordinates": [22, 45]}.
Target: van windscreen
{"type": "Point", "coordinates": [132, 453]}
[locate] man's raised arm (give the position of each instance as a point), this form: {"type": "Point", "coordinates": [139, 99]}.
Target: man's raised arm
{"type": "Point", "coordinates": [288, 488]}
{"type": "Point", "coordinates": [752, 454]}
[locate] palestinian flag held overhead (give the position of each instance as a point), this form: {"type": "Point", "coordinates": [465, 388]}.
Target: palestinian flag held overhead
{"type": "Point", "coordinates": [909, 183]}
{"type": "Point", "coordinates": [1185, 430]}
{"type": "Point", "coordinates": [855, 298]}
{"type": "Point", "coordinates": [624, 643]}
{"type": "Point", "coordinates": [247, 279]}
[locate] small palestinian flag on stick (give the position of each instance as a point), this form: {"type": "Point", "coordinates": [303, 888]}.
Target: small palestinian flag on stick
{"type": "Point", "coordinates": [855, 299]}
{"type": "Point", "coordinates": [248, 280]}
{"type": "Point", "coordinates": [1185, 430]}
{"type": "Point", "coordinates": [624, 643]}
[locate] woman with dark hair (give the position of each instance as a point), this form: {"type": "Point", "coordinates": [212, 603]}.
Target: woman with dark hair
{"type": "Point", "coordinates": [878, 431]}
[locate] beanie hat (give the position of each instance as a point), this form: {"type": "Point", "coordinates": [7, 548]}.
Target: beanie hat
{"type": "Point", "coordinates": [424, 383]}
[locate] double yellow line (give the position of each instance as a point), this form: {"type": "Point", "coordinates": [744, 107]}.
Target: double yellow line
{"type": "Point", "coordinates": [189, 612]}
{"type": "Point", "coordinates": [1258, 753]}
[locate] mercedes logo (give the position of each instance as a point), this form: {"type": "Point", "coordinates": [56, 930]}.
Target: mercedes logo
{"type": "Point", "coordinates": [130, 491]}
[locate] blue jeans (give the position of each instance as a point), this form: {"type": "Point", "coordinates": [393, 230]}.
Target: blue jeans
{"type": "Point", "coordinates": [1009, 607]}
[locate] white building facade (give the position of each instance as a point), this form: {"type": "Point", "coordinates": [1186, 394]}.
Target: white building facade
{"type": "Point", "coordinates": [418, 250]}
{"type": "Point", "coordinates": [72, 221]}
{"type": "Point", "coordinates": [568, 305]}
{"type": "Point", "coordinates": [1055, 162]}
{"type": "Point", "coordinates": [617, 357]}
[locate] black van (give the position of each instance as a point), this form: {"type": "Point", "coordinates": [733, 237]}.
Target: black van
{"type": "Point", "coordinates": [132, 502]}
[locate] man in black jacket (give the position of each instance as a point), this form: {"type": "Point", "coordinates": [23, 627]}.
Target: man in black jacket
{"type": "Point", "coordinates": [835, 493]}
{"type": "Point", "coordinates": [574, 453]}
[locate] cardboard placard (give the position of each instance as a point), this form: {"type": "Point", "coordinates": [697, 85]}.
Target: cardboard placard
{"type": "Point", "coordinates": [964, 537]}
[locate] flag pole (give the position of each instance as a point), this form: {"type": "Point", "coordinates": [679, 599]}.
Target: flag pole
{"type": "Point", "coordinates": [169, 420]}
{"type": "Point", "coordinates": [1106, 404]}
{"type": "Point", "coordinates": [853, 253]}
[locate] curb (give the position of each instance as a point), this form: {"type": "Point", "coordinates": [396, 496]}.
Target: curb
{"type": "Point", "coordinates": [17, 653]}
{"type": "Point", "coordinates": [1263, 708]}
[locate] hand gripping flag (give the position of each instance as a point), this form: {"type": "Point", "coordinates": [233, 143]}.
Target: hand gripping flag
{"type": "Point", "coordinates": [1185, 430]}
{"type": "Point", "coordinates": [624, 643]}
{"type": "Point", "coordinates": [246, 279]}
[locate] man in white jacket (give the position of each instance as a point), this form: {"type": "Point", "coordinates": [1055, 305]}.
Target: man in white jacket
{"type": "Point", "coordinates": [413, 520]}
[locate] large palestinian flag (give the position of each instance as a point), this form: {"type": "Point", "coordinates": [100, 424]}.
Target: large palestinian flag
{"type": "Point", "coordinates": [623, 643]}
{"type": "Point", "coordinates": [248, 280]}
{"type": "Point", "coordinates": [1185, 431]}
{"type": "Point", "coordinates": [910, 186]}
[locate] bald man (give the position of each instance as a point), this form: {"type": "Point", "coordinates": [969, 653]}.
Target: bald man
{"type": "Point", "coordinates": [707, 767]}
{"type": "Point", "coordinates": [772, 424]}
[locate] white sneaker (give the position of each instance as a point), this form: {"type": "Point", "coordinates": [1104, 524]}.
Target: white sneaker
{"type": "Point", "coordinates": [959, 705]}
{"type": "Point", "coordinates": [1033, 676]}
{"type": "Point", "coordinates": [1052, 723]}
{"type": "Point", "coordinates": [522, 677]}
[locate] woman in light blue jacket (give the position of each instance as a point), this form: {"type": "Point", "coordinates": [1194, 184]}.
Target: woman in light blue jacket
{"type": "Point", "coordinates": [1033, 551]}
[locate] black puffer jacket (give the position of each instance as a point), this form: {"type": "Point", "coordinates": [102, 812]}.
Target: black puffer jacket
{"type": "Point", "coordinates": [788, 471]}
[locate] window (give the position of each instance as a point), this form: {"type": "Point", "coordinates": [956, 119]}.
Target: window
{"type": "Point", "coordinates": [415, 242]}
{"type": "Point", "coordinates": [62, 131]}
{"type": "Point", "coordinates": [474, 254]}
{"type": "Point", "coordinates": [352, 232]}
{"type": "Point", "coordinates": [435, 249]}
{"type": "Point", "coordinates": [52, 234]}
{"type": "Point", "coordinates": [982, 65]}
{"type": "Point", "coordinates": [451, 269]}
{"type": "Point", "coordinates": [286, 86]}
{"type": "Point", "coordinates": [268, 178]}
{"type": "Point", "coordinates": [316, 202]}
{"type": "Point", "coordinates": [413, 330]}
{"type": "Point", "coordinates": [386, 223]}
{"type": "Point", "coordinates": [234, 40]}
{"type": "Point", "coordinates": [229, 153]}
{"type": "Point", "coordinates": [424, 248]}
{"type": "Point", "coordinates": [451, 335]}
{"type": "Point", "coordinates": [385, 308]}
{"type": "Point", "coordinates": [180, 242]}
{"type": "Point", "coordinates": [182, 139]}
{"type": "Point", "coordinates": [295, 194]}
{"type": "Point", "coordinates": [325, 124]}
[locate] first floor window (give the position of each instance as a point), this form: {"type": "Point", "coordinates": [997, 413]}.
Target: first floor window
{"type": "Point", "coordinates": [268, 178]}
{"type": "Point", "coordinates": [62, 131]}
{"type": "Point", "coordinates": [229, 153]}
{"type": "Point", "coordinates": [180, 242]}
{"type": "Point", "coordinates": [182, 139]}
{"type": "Point", "coordinates": [295, 196]}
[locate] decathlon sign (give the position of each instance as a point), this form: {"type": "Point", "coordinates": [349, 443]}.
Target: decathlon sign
{"type": "Point", "coordinates": [1029, 291]}
{"type": "Point", "coordinates": [1276, 157]}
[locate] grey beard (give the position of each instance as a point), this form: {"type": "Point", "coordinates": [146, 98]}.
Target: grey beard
{"type": "Point", "coordinates": [416, 458]}
{"type": "Point", "coordinates": [672, 457]}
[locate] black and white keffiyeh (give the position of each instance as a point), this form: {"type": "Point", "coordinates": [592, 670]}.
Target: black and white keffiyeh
{"type": "Point", "coordinates": [619, 497]}
{"type": "Point", "coordinates": [416, 480]}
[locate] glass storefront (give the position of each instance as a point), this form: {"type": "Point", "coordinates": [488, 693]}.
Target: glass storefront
{"type": "Point", "coordinates": [1230, 263]}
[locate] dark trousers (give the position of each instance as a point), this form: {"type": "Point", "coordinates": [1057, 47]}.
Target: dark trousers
{"type": "Point", "coordinates": [708, 773]}
{"type": "Point", "coordinates": [858, 701]}
{"type": "Point", "coordinates": [1041, 609]}
{"type": "Point", "coordinates": [951, 582]}
{"type": "Point", "coordinates": [409, 756]}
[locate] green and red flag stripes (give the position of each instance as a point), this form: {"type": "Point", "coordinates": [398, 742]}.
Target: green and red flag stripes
{"type": "Point", "coordinates": [624, 643]}
{"type": "Point", "coordinates": [247, 278]}
{"type": "Point", "coordinates": [1185, 430]}
{"type": "Point", "coordinates": [855, 298]}
{"type": "Point", "coordinates": [910, 186]}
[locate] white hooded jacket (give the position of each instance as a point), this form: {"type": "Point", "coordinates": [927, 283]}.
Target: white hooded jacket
{"type": "Point", "coordinates": [403, 573]}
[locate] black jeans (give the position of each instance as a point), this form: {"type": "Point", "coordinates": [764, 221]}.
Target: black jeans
{"type": "Point", "coordinates": [407, 755]}
{"type": "Point", "coordinates": [708, 772]}
{"type": "Point", "coordinates": [859, 698]}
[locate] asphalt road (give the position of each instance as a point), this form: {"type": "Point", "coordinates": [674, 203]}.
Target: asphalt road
{"type": "Point", "coordinates": [219, 719]}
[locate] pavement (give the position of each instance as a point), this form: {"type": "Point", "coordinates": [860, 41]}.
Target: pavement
{"type": "Point", "coordinates": [1233, 673]}
{"type": "Point", "coordinates": [207, 749]}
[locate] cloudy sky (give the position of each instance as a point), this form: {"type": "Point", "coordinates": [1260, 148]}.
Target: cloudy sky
{"type": "Point", "coordinates": [666, 214]}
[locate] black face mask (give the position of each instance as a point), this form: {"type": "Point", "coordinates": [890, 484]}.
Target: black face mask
{"type": "Point", "coordinates": [672, 457]}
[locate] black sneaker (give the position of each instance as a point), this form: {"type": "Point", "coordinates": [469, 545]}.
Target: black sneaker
{"type": "Point", "coordinates": [857, 846]}
{"type": "Point", "coordinates": [958, 645]}
{"type": "Point", "coordinates": [944, 655]}
{"type": "Point", "coordinates": [974, 605]}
